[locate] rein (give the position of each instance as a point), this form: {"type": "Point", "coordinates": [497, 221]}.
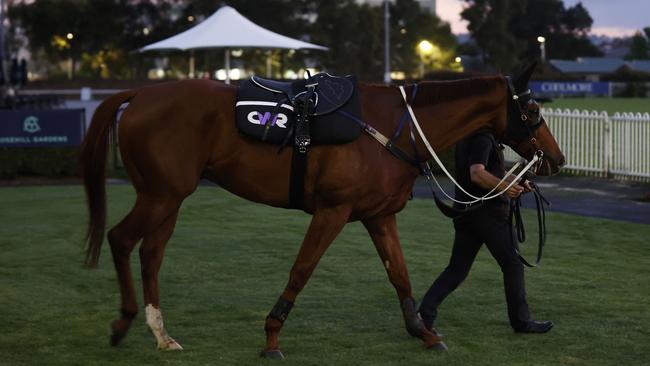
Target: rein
{"type": "Point", "coordinates": [519, 235]}
{"type": "Point", "coordinates": [424, 168]}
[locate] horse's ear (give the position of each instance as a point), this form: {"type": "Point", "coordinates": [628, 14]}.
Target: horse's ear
{"type": "Point", "coordinates": [522, 77]}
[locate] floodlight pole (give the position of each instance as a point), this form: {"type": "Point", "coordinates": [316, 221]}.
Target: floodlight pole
{"type": "Point", "coordinates": [2, 40]}
{"type": "Point", "coordinates": [386, 43]}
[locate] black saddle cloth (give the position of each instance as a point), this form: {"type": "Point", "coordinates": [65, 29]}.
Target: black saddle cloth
{"type": "Point", "coordinates": [261, 102]}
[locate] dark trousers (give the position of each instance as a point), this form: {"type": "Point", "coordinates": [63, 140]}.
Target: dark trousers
{"type": "Point", "coordinates": [487, 225]}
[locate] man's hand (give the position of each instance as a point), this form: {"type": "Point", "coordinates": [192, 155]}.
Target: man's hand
{"type": "Point", "coordinates": [514, 191]}
{"type": "Point", "coordinates": [528, 187]}
{"type": "Point", "coordinates": [486, 180]}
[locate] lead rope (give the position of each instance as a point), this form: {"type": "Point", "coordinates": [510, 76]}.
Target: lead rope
{"type": "Point", "coordinates": [517, 225]}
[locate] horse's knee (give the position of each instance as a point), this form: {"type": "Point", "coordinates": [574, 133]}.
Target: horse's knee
{"type": "Point", "coordinates": [120, 244]}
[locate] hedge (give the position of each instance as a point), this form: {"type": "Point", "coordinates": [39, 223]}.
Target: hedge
{"type": "Point", "coordinates": [42, 161]}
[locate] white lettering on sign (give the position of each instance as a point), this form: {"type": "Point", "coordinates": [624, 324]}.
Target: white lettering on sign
{"type": "Point", "coordinates": [567, 87]}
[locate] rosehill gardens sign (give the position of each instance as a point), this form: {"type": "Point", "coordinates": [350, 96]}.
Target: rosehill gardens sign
{"type": "Point", "coordinates": [42, 128]}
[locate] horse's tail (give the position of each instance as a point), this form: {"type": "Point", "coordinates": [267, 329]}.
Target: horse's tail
{"type": "Point", "coordinates": [93, 169]}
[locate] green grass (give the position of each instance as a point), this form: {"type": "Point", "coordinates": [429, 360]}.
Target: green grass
{"type": "Point", "coordinates": [229, 259]}
{"type": "Point", "coordinates": [611, 105]}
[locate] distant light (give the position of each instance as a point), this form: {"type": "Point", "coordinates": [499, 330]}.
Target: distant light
{"type": "Point", "coordinates": [69, 36]}
{"type": "Point", "coordinates": [397, 75]}
{"type": "Point", "coordinates": [145, 31]}
{"type": "Point", "coordinates": [237, 53]}
{"type": "Point", "coordinates": [425, 47]}
{"type": "Point", "coordinates": [235, 74]}
{"type": "Point", "coordinates": [190, 18]}
{"type": "Point", "coordinates": [160, 73]}
{"type": "Point", "coordinates": [541, 39]}
{"type": "Point", "coordinates": [403, 30]}
{"type": "Point", "coordinates": [290, 75]}
{"type": "Point", "coordinates": [458, 59]}
{"type": "Point", "coordinates": [220, 74]}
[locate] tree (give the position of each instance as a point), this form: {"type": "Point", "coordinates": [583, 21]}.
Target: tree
{"type": "Point", "coordinates": [336, 24]}
{"type": "Point", "coordinates": [409, 26]}
{"type": "Point", "coordinates": [488, 25]}
{"type": "Point", "coordinates": [104, 33]}
{"type": "Point", "coordinates": [507, 30]}
{"type": "Point", "coordinates": [567, 37]}
{"type": "Point", "coordinates": [355, 35]}
{"type": "Point", "coordinates": [639, 49]}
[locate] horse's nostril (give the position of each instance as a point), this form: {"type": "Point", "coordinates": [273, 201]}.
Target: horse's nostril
{"type": "Point", "coordinates": [561, 162]}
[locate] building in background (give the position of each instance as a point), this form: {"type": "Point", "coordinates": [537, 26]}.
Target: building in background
{"type": "Point", "coordinates": [429, 5]}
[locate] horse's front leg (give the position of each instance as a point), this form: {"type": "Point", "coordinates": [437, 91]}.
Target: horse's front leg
{"type": "Point", "coordinates": [383, 232]}
{"type": "Point", "coordinates": [326, 224]}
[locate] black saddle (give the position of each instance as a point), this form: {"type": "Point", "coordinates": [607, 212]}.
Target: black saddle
{"type": "Point", "coordinates": [317, 111]}
{"type": "Point", "coordinates": [265, 111]}
{"type": "Point", "coordinates": [330, 92]}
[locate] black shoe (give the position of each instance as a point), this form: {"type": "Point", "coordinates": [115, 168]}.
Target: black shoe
{"type": "Point", "coordinates": [534, 327]}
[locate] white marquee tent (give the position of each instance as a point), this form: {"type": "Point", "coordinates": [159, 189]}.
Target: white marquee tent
{"type": "Point", "coordinates": [227, 29]}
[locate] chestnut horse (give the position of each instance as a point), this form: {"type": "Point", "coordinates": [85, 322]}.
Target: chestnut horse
{"type": "Point", "coordinates": [171, 135]}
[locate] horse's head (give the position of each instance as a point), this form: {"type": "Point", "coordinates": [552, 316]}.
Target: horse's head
{"type": "Point", "coordinates": [527, 132]}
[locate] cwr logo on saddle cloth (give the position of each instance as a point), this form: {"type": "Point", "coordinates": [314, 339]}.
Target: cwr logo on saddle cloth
{"type": "Point", "coordinates": [265, 109]}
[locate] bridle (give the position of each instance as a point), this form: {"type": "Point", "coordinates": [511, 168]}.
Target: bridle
{"type": "Point", "coordinates": [531, 118]}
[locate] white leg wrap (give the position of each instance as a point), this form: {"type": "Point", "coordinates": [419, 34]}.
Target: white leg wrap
{"type": "Point", "coordinates": [155, 323]}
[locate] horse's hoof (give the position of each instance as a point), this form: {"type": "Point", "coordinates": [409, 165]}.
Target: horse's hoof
{"type": "Point", "coordinates": [440, 346]}
{"type": "Point", "coordinates": [275, 354]}
{"type": "Point", "coordinates": [170, 345]}
{"type": "Point", "coordinates": [117, 334]}
{"type": "Point", "coordinates": [116, 338]}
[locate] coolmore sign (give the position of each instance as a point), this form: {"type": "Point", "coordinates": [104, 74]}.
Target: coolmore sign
{"type": "Point", "coordinates": [36, 128]}
{"type": "Point", "coordinates": [570, 88]}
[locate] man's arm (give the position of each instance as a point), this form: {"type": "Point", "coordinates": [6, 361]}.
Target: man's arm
{"type": "Point", "coordinates": [487, 180]}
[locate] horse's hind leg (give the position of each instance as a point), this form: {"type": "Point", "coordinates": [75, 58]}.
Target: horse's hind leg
{"type": "Point", "coordinates": [151, 256]}
{"type": "Point", "coordinates": [123, 238]}
{"type": "Point", "coordinates": [325, 225]}
{"type": "Point", "coordinates": [383, 232]}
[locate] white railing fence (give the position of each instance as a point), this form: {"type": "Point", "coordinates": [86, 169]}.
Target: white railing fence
{"type": "Point", "coordinates": [597, 144]}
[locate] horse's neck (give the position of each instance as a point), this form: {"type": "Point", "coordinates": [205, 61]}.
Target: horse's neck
{"type": "Point", "coordinates": [450, 111]}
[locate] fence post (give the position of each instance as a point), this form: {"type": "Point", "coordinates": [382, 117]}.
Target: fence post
{"type": "Point", "coordinates": [607, 136]}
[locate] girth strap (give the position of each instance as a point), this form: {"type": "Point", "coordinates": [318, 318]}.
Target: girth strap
{"type": "Point", "coordinates": [302, 142]}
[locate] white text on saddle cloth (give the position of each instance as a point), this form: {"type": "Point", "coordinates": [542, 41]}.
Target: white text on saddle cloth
{"type": "Point", "coordinates": [258, 118]}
